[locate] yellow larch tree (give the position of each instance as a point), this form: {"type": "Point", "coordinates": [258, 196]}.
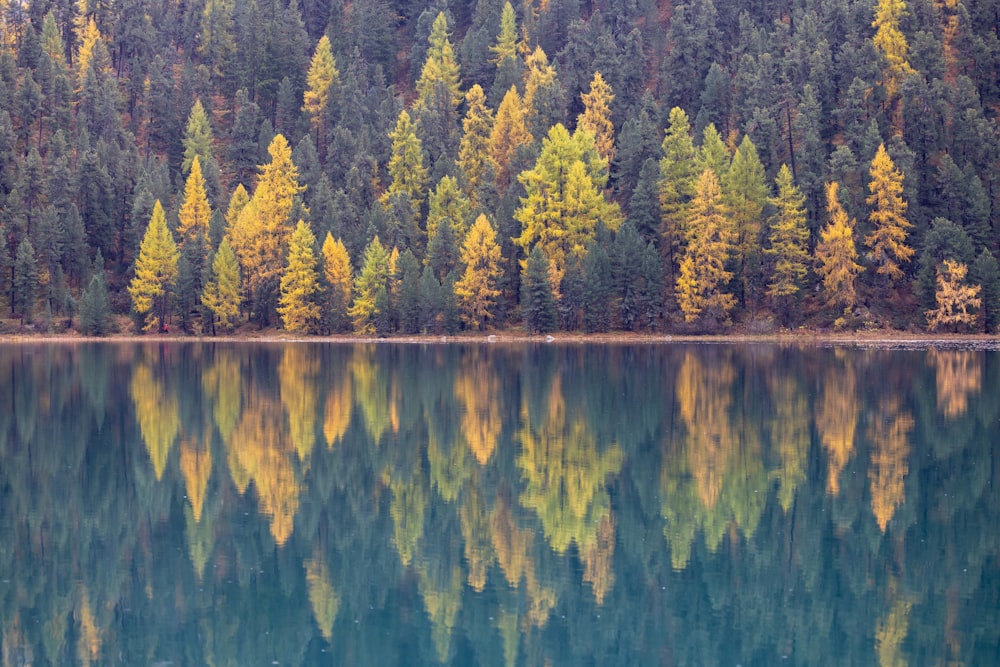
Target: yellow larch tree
{"type": "Point", "coordinates": [300, 283]}
{"type": "Point", "coordinates": [474, 147]}
{"type": "Point", "coordinates": [596, 116]}
{"type": "Point", "coordinates": [320, 79]}
{"type": "Point", "coordinates": [836, 254]}
{"type": "Point", "coordinates": [887, 240]}
{"type": "Point", "coordinates": [221, 294]}
{"type": "Point", "coordinates": [956, 301]}
{"type": "Point", "coordinates": [195, 213]}
{"type": "Point", "coordinates": [891, 43]}
{"type": "Point", "coordinates": [155, 271]}
{"type": "Point", "coordinates": [506, 44]}
{"type": "Point", "coordinates": [510, 132]}
{"type": "Point", "coordinates": [338, 281]}
{"type": "Point", "coordinates": [477, 288]}
{"type": "Point", "coordinates": [710, 243]}
{"type": "Point", "coordinates": [408, 174]}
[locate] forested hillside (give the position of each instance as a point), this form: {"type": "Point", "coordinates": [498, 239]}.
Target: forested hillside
{"type": "Point", "coordinates": [380, 166]}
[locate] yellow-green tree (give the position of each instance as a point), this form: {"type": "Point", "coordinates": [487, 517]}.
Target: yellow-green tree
{"type": "Point", "coordinates": [506, 44]}
{"type": "Point", "coordinates": [440, 67]}
{"type": "Point", "coordinates": [371, 289]}
{"type": "Point", "coordinates": [788, 237]}
{"type": "Point", "coordinates": [596, 116]}
{"type": "Point", "coordinates": [320, 79]}
{"type": "Point", "coordinates": [406, 166]}
{"type": "Point", "coordinates": [197, 137]}
{"type": "Point", "coordinates": [510, 132]}
{"type": "Point", "coordinates": [678, 177]}
{"type": "Point", "coordinates": [300, 283]}
{"type": "Point", "coordinates": [337, 276]}
{"type": "Point", "coordinates": [563, 199]}
{"type": "Point", "coordinates": [956, 301]}
{"type": "Point", "coordinates": [476, 289]}
{"type": "Point", "coordinates": [155, 270]}
{"type": "Point", "coordinates": [710, 242]}
{"type": "Point", "coordinates": [836, 254]}
{"type": "Point", "coordinates": [222, 293]}
{"type": "Point", "coordinates": [891, 43]}
{"type": "Point", "coordinates": [474, 148]}
{"type": "Point", "coordinates": [887, 240]}
{"type": "Point", "coordinates": [195, 213]}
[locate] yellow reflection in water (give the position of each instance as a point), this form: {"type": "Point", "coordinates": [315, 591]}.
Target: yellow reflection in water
{"type": "Point", "coordinates": [156, 410]}
{"type": "Point", "coordinates": [959, 376]}
{"type": "Point", "coordinates": [889, 435]}
{"type": "Point", "coordinates": [836, 414]}
{"type": "Point", "coordinates": [322, 596]}
{"type": "Point", "coordinates": [477, 389]}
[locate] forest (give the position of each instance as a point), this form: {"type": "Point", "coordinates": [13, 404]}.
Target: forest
{"type": "Point", "coordinates": [380, 167]}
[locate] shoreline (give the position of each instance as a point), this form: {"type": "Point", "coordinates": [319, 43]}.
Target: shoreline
{"type": "Point", "coordinates": [799, 337]}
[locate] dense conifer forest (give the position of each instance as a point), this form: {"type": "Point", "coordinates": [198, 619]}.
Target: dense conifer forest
{"type": "Point", "coordinates": [379, 166]}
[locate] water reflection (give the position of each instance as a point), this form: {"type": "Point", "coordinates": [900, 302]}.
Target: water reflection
{"type": "Point", "coordinates": [233, 504]}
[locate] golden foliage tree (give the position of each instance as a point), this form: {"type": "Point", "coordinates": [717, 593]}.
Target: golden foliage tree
{"type": "Point", "coordinates": [155, 270]}
{"type": "Point", "coordinates": [836, 254]}
{"type": "Point", "coordinates": [510, 132]}
{"type": "Point", "coordinates": [300, 283]}
{"type": "Point", "coordinates": [477, 288]}
{"type": "Point", "coordinates": [710, 243]}
{"type": "Point", "coordinates": [887, 240]}
{"type": "Point", "coordinates": [956, 301]}
{"type": "Point", "coordinates": [221, 294]}
{"type": "Point", "coordinates": [891, 43]}
{"type": "Point", "coordinates": [596, 116]}
{"type": "Point", "coordinates": [320, 79]}
{"type": "Point", "coordinates": [338, 282]}
{"type": "Point", "coordinates": [474, 147]}
{"type": "Point", "coordinates": [195, 213]}
{"type": "Point", "coordinates": [406, 167]}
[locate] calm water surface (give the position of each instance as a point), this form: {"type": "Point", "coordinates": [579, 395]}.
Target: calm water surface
{"type": "Point", "coordinates": [249, 504]}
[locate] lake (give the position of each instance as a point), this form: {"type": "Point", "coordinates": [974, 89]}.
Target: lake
{"type": "Point", "coordinates": [404, 504]}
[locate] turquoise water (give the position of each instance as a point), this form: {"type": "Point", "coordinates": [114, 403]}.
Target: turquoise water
{"type": "Point", "coordinates": [311, 504]}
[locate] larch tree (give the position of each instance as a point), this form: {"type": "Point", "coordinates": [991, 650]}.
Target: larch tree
{"type": "Point", "coordinates": [155, 271]}
{"type": "Point", "coordinates": [371, 289]}
{"type": "Point", "coordinates": [260, 232]}
{"type": "Point", "coordinates": [887, 239]}
{"type": "Point", "coordinates": [956, 301]}
{"type": "Point", "coordinates": [746, 193]}
{"type": "Point", "coordinates": [596, 116]}
{"type": "Point", "coordinates": [221, 295]}
{"type": "Point", "coordinates": [197, 138]}
{"type": "Point", "coordinates": [300, 283]}
{"type": "Point", "coordinates": [564, 199]}
{"type": "Point", "coordinates": [320, 79]}
{"type": "Point", "coordinates": [474, 148]}
{"type": "Point", "coordinates": [677, 182]}
{"type": "Point", "coordinates": [506, 44]}
{"type": "Point", "coordinates": [338, 281]}
{"type": "Point", "coordinates": [710, 243]}
{"type": "Point", "coordinates": [440, 67]}
{"type": "Point", "coordinates": [448, 201]}
{"type": "Point", "coordinates": [836, 254]}
{"type": "Point", "coordinates": [510, 132]}
{"type": "Point", "coordinates": [891, 43]}
{"type": "Point", "coordinates": [477, 288]}
{"type": "Point", "coordinates": [195, 213]}
{"type": "Point", "coordinates": [788, 238]}
{"type": "Point", "coordinates": [406, 168]}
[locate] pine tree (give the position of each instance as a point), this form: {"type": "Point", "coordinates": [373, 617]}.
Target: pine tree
{"type": "Point", "coordinates": [477, 289]}
{"type": "Point", "coordinates": [788, 238]}
{"type": "Point", "coordinates": [300, 283]}
{"type": "Point", "coordinates": [473, 150]}
{"type": "Point", "coordinates": [338, 282]}
{"type": "Point", "coordinates": [26, 280]}
{"type": "Point", "coordinates": [371, 289]}
{"type": "Point", "coordinates": [197, 138]}
{"type": "Point", "coordinates": [407, 279]}
{"type": "Point", "coordinates": [836, 254]}
{"type": "Point", "coordinates": [538, 304]}
{"type": "Point", "coordinates": [155, 271]}
{"type": "Point", "coordinates": [221, 294]}
{"type": "Point", "coordinates": [710, 244]}
{"type": "Point", "coordinates": [985, 271]}
{"type": "Point", "coordinates": [596, 116]}
{"type": "Point", "coordinates": [95, 306]}
{"type": "Point", "coordinates": [955, 300]}
{"type": "Point", "coordinates": [887, 240]}
{"type": "Point", "coordinates": [320, 80]}
{"type": "Point", "coordinates": [443, 253]}
{"type": "Point", "coordinates": [195, 213]}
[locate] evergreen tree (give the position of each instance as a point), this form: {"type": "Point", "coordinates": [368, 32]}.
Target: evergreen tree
{"type": "Point", "coordinates": [598, 289]}
{"type": "Point", "coordinates": [338, 283]}
{"type": "Point", "coordinates": [887, 239]}
{"type": "Point", "coordinates": [448, 202]}
{"type": "Point", "coordinates": [473, 151]}
{"type": "Point", "coordinates": [746, 193]}
{"type": "Point", "coordinates": [649, 301]}
{"type": "Point", "coordinates": [644, 205]}
{"type": "Point", "coordinates": [95, 306]}
{"type": "Point", "coordinates": [626, 264]}
{"type": "Point", "coordinates": [155, 271]}
{"type": "Point", "coordinates": [677, 183]}
{"type": "Point", "coordinates": [985, 271]}
{"type": "Point", "coordinates": [406, 167]}
{"type": "Point", "coordinates": [944, 240]}
{"type": "Point", "coordinates": [300, 283]}
{"type": "Point", "coordinates": [443, 252]}
{"type": "Point", "coordinates": [431, 317]}
{"type": "Point", "coordinates": [788, 238]}
{"type": "Point", "coordinates": [26, 280]}
{"type": "Point", "coordinates": [538, 304]}
{"type": "Point", "coordinates": [371, 289]}
{"type": "Point", "coordinates": [221, 295]}
{"type": "Point", "coordinates": [477, 289]}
